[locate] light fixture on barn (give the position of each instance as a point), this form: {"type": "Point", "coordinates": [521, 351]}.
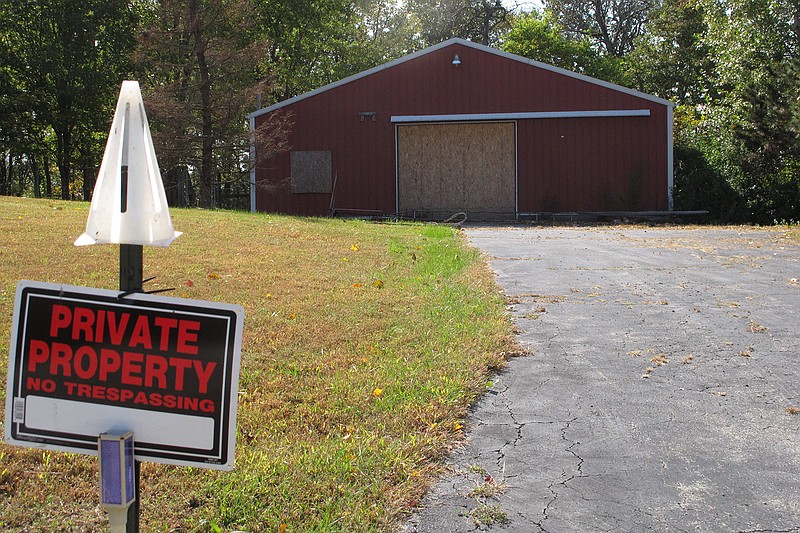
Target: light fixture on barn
{"type": "Point", "coordinates": [456, 60]}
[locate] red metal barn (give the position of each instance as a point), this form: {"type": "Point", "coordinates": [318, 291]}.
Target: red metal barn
{"type": "Point", "coordinates": [460, 127]}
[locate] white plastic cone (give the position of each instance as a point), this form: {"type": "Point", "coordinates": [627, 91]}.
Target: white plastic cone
{"type": "Point", "coordinates": [128, 204]}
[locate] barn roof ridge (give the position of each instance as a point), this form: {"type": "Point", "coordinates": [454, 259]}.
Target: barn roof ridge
{"type": "Point", "coordinates": [463, 42]}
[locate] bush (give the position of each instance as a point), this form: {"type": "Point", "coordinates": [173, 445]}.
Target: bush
{"type": "Point", "coordinates": [699, 186]}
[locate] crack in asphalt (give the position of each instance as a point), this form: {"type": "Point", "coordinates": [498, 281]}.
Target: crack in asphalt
{"type": "Point", "coordinates": [579, 466]}
{"type": "Point", "coordinates": [790, 530]}
{"type": "Point", "coordinates": [563, 483]}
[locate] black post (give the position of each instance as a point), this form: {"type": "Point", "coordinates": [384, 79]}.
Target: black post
{"type": "Point", "coordinates": [130, 280]}
{"type": "Point", "coordinates": [130, 267]}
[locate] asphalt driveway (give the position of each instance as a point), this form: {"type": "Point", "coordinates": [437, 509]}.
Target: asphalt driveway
{"type": "Point", "coordinates": [660, 394]}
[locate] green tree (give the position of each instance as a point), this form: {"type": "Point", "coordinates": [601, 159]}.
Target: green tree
{"type": "Point", "coordinates": [613, 25]}
{"type": "Point", "coordinates": [673, 59]}
{"type": "Point", "coordinates": [384, 31]}
{"type": "Point", "coordinates": [63, 64]}
{"type": "Point", "coordinates": [309, 44]}
{"type": "Point", "coordinates": [539, 36]}
{"type": "Point", "coordinates": [757, 50]}
{"type": "Point", "coordinates": [481, 21]}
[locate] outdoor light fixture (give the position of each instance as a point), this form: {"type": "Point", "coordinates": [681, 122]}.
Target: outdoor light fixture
{"type": "Point", "coordinates": [117, 480]}
{"type": "Point", "coordinates": [456, 60]}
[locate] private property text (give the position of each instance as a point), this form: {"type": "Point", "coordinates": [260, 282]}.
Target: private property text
{"type": "Point", "coordinates": [108, 356]}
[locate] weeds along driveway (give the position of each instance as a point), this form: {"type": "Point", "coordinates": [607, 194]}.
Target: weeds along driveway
{"type": "Point", "coordinates": [660, 394]}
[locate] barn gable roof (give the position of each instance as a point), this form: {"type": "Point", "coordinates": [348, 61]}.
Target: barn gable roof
{"type": "Point", "coordinates": [470, 44]}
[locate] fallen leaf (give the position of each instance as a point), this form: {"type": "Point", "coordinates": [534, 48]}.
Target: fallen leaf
{"type": "Point", "coordinates": [660, 359]}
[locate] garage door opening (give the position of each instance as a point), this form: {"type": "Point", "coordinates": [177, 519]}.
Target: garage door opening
{"type": "Point", "coordinates": [443, 169]}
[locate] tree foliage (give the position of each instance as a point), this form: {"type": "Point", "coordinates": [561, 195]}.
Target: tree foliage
{"type": "Point", "coordinates": [62, 62]}
{"type": "Point", "coordinates": [307, 42]}
{"type": "Point", "coordinates": [756, 47]}
{"type": "Point", "coordinates": [200, 61]}
{"type": "Point", "coordinates": [673, 58]}
{"type": "Point", "coordinates": [481, 21]}
{"type": "Point", "coordinates": [539, 36]}
{"type": "Point", "coordinates": [613, 25]}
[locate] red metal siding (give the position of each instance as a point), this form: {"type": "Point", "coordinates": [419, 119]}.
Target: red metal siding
{"type": "Point", "coordinates": [586, 164]}
{"type": "Point", "coordinates": [592, 164]}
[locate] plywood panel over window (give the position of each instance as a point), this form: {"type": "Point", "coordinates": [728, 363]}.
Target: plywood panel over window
{"type": "Point", "coordinates": [448, 168]}
{"type": "Point", "coordinates": [311, 172]}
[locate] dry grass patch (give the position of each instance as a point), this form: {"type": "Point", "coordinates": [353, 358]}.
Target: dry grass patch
{"type": "Point", "coordinates": [334, 311]}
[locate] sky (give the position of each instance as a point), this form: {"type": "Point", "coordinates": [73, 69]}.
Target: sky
{"type": "Point", "coordinates": [522, 5]}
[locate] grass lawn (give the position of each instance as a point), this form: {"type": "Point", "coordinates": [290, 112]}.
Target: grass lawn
{"type": "Point", "coordinates": [364, 345]}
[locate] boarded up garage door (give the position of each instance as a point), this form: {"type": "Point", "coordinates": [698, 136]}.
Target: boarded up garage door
{"type": "Point", "coordinates": [448, 168]}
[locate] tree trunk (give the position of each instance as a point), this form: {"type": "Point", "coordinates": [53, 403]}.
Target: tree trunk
{"type": "Point", "coordinates": [21, 179]}
{"type": "Point", "coordinates": [796, 25]}
{"type": "Point", "coordinates": [88, 171]}
{"type": "Point", "coordinates": [48, 179]}
{"type": "Point", "coordinates": [9, 184]}
{"type": "Point", "coordinates": [63, 160]}
{"type": "Point", "coordinates": [207, 158]}
{"type": "Point", "coordinates": [206, 198]}
{"type": "Point", "coordinates": [4, 173]}
{"type": "Point", "coordinates": [602, 24]}
{"type": "Point", "coordinates": [37, 178]}
{"type": "Point", "coordinates": [486, 23]}
{"type": "Point", "coordinates": [88, 182]}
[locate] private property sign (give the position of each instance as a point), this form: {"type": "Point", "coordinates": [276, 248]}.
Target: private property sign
{"type": "Point", "coordinates": [85, 361]}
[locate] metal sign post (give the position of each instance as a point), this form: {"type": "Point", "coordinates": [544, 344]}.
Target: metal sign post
{"type": "Point", "coordinates": [131, 265]}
